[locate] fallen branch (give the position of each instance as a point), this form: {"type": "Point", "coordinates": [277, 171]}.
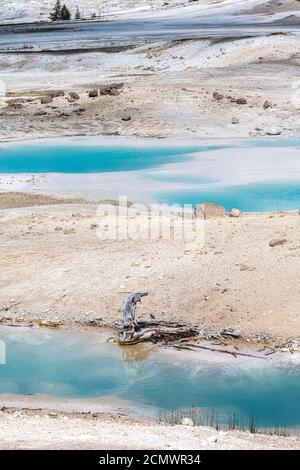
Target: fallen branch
{"type": "Point", "coordinates": [233, 353]}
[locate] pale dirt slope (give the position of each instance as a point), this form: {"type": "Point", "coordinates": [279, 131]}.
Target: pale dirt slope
{"type": "Point", "coordinates": [54, 267]}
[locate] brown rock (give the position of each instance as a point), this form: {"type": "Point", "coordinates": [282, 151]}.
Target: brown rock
{"type": "Point", "coordinates": [209, 210]}
{"type": "Point", "coordinates": [93, 93]}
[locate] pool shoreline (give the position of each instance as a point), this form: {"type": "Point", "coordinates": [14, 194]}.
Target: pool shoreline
{"type": "Point", "coordinates": [139, 409]}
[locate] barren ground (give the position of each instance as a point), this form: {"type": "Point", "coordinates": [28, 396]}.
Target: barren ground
{"type": "Point", "coordinates": [55, 268]}
{"type": "Point", "coordinates": [168, 90]}
{"type": "Point", "coordinates": [62, 431]}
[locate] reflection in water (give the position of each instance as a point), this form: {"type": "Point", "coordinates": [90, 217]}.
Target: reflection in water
{"type": "Point", "coordinates": [84, 365]}
{"type": "Point", "coordinates": [135, 358]}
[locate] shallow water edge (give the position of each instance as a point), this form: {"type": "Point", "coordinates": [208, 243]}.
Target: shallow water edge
{"type": "Point", "coordinates": [144, 367]}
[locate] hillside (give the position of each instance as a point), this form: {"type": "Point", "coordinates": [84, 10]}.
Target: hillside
{"type": "Point", "coordinates": [33, 10]}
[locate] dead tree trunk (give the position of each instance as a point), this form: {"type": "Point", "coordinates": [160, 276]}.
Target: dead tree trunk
{"type": "Point", "coordinates": [152, 330]}
{"type": "Point", "coordinates": [130, 323]}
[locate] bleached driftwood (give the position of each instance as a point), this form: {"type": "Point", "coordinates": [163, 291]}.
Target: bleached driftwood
{"type": "Point", "coordinates": [135, 331]}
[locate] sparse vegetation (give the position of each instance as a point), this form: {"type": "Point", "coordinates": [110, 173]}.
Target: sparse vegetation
{"type": "Point", "coordinates": [211, 418]}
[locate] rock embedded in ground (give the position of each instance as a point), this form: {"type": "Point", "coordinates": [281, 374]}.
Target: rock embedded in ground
{"type": "Point", "coordinates": [209, 210]}
{"type": "Point", "coordinates": [74, 96]}
{"type": "Point", "coordinates": [267, 104]}
{"type": "Point", "coordinates": [235, 213]}
{"type": "Point", "coordinates": [47, 100]}
{"type": "Point", "coordinates": [234, 120]}
{"type": "Point", "coordinates": [277, 242]}
{"type": "Point", "coordinates": [241, 101]}
{"type": "Point", "coordinates": [126, 118]}
{"type": "Point", "coordinates": [93, 93]}
{"type": "Point", "coordinates": [57, 93]}
{"type": "Point", "coordinates": [217, 96]}
{"type": "Point", "coordinates": [40, 113]}
{"type": "Point", "coordinates": [112, 89]}
{"type": "Point", "coordinates": [273, 132]}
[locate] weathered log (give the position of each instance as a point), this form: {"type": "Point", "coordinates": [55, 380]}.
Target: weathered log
{"type": "Point", "coordinates": [135, 331]}
{"type": "Point", "coordinates": [157, 334]}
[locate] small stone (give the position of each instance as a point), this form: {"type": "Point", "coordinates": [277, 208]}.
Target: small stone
{"type": "Point", "coordinates": [50, 323]}
{"type": "Point", "coordinates": [241, 101]}
{"type": "Point", "coordinates": [114, 92]}
{"type": "Point", "coordinates": [273, 132]}
{"type": "Point", "coordinates": [217, 96]}
{"type": "Point", "coordinates": [74, 96]}
{"type": "Point", "coordinates": [93, 226]}
{"type": "Point", "coordinates": [113, 89]}
{"type": "Point", "coordinates": [46, 100]}
{"type": "Point", "coordinates": [235, 213]}
{"type": "Point", "coordinates": [244, 267]}
{"type": "Point", "coordinates": [234, 120]}
{"type": "Point", "coordinates": [126, 118]}
{"type": "Point", "coordinates": [277, 242]}
{"type": "Point", "coordinates": [93, 93]}
{"type": "Point", "coordinates": [267, 104]}
{"type": "Point", "coordinates": [57, 93]}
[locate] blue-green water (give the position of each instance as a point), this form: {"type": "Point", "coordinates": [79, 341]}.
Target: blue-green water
{"type": "Point", "coordinates": [182, 174]}
{"type": "Point", "coordinates": [83, 365]}
{"type": "Point", "coordinates": [259, 197]}
{"type": "Point", "coordinates": [88, 158]}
